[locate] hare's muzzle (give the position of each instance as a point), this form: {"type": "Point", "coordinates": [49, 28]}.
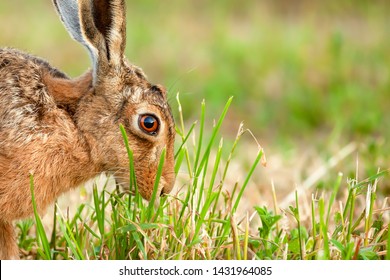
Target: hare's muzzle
{"type": "Point", "coordinates": [167, 187]}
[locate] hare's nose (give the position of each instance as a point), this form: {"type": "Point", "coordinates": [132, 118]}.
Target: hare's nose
{"type": "Point", "coordinates": [163, 191]}
{"type": "Point", "coordinates": [166, 189]}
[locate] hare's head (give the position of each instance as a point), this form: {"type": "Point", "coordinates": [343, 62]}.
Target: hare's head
{"type": "Point", "coordinates": [120, 94]}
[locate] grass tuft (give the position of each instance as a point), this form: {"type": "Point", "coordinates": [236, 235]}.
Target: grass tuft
{"type": "Point", "coordinates": [204, 218]}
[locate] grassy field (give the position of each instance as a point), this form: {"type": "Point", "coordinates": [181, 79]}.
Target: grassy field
{"type": "Point", "coordinates": [311, 83]}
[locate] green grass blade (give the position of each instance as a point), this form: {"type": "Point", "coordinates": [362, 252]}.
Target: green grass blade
{"type": "Point", "coordinates": [156, 185]}
{"type": "Point", "coordinates": [133, 179]}
{"type": "Point", "coordinates": [54, 231]}
{"type": "Point", "coordinates": [246, 237]}
{"type": "Point", "coordinates": [236, 140]}
{"type": "Point", "coordinates": [298, 218]}
{"type": "Point", "coordinates": [99, 210]}
{"type": "Point", "coordinates": [324, 228]}
{"type": "Point", "coordinates": [201, 189]}
{"type": "Point", "coordinates": [372, 178]}
{"type": "Point", "coordinates": [92, 232]}
{"type": "Point", "coordinates": [236, 239]}
{"type": "Point", "coordinates": [184, 140]}
{"type": "Point", "coordinates": [40, 229]}
{"type": "Point", "coordinates": [70, 239]}
{"type": "Point", "coordinates": [183, 133]}
{"type": "Point", "coordinates": [247, 179]}
{"type": "Point", "coordinates": [333, 196]}
{"type": "Point", "coordinates": [352, 209]}
{"type": "Point", "coordinates": [202, 216]}
{"type": "Point", "coordinates": [215, 169]}
{"type": "Point", "coordinates": [179, 160]}
{"type": "Point", "coordinates": [140, 244]}
{"type": "Point", "coordinates": [200, 140]}
{"type": "Point", "coordinates": [368, 212]}
{"type": "Point", "coordinates": [214, 135]}
{"type": "Point", "coordinates": [313, 225]}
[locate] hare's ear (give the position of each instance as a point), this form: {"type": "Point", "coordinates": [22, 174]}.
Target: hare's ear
{"type": "Point", "coordinates": [100, 25]}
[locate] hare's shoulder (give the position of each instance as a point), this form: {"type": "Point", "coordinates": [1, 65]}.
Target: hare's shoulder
{"type": "Point", "coordinates": [23, 67]}
{"type": "Point", "coordinates": [26, 105]}
{"type": "Point", "coordinates": [22, 79]}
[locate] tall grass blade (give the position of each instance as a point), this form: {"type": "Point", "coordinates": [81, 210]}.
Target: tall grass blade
{"type": "Point", "coordinates": [214, 135]}
{"type": "Point", "coordinates": [70, 239]}
{"type": "Point", "coordinates": [205, 211]}
{"type": "Point", "coordinates": [99, 210]}
{"type": "Point", "coordinates": [324, 228]}
{"type": "Point", "coordinates": [184, 140]}
{"type": "Point", "coordinates": [236, 140]}
{"type": "Point", "coordinates": [298, 218]}
{"type": "Point", "coordinates": [54, 231]}
{"type": "Point", "coordinates": [333, 196]}
{"type": "Point", "coordinates": [183, 133]}
{"type": "Point", "coordinates": [200, 140]}
{"type": "Point", "coordinates": [351, 211]}
{"type": "Point", "coordinates": [247, 179]}
{"type": "Point", "coordinates": [156, 185]}
{"type": "Point", "coordinates": [246, 237]}
{"type": "Point", "coordinates": [133, 180]}
{"type": "Point", "coordinates": [236, 239]}
{"type": "Point", "coordinates": [372, 178]}
{"type": "Point", "coordinates": [46, 253]}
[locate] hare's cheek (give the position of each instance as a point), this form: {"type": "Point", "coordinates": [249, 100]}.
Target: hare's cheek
{"type": "Point", "coordinates": [155, 154]}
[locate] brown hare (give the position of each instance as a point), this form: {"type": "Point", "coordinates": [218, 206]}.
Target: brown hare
{"type": "Point", "coordinates": [66, 131]}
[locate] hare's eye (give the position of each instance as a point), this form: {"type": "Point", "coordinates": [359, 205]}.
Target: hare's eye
{"type": "Point", "coordinates": [149, 124]}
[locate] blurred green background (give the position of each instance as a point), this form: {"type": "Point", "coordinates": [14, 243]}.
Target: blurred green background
{"type": "Point", "coordinates": [303, 73]}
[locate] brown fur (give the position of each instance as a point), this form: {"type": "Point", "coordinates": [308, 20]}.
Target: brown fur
{"type": "Point", "coordinates": [66, 131]}
{"type": "Point", "coordinates": [7, 242]}
{"type": "Point", "coordinates": [68, 92]}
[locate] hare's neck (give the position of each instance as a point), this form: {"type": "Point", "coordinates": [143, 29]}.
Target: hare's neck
{"type": "Point", "coordinates": [72, 164]}
{"type": "Point", "coordinates": [77, 166]}
{"type": "Point", "coordinates": [56, 166]}
{"type": "Point", "coordinates": [84, 167]}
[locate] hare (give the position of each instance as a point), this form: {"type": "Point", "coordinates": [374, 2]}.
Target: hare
{"type": "Point", "coordinates": [66, 131]}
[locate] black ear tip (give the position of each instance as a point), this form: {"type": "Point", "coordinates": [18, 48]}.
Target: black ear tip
{"type": "Point", "coordinates": [55, 4]}
{"type": "Point", "coordinates": [159, 89]}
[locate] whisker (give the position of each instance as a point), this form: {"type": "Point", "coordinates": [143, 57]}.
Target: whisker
{"type": "Point", "coordinates": [179, 78]}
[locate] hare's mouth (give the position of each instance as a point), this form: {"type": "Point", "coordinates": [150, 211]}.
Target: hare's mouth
{"type": "Point", "coordinates": [122, 183]}
{"type": "Point", "coordinates": [145, 191]}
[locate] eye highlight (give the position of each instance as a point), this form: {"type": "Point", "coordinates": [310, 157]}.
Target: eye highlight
{"type": "Point", "coordinates": [148, 124]}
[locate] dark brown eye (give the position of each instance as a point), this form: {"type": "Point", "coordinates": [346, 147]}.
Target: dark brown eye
{"type": "Point", "coordinates": [149, 124]}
